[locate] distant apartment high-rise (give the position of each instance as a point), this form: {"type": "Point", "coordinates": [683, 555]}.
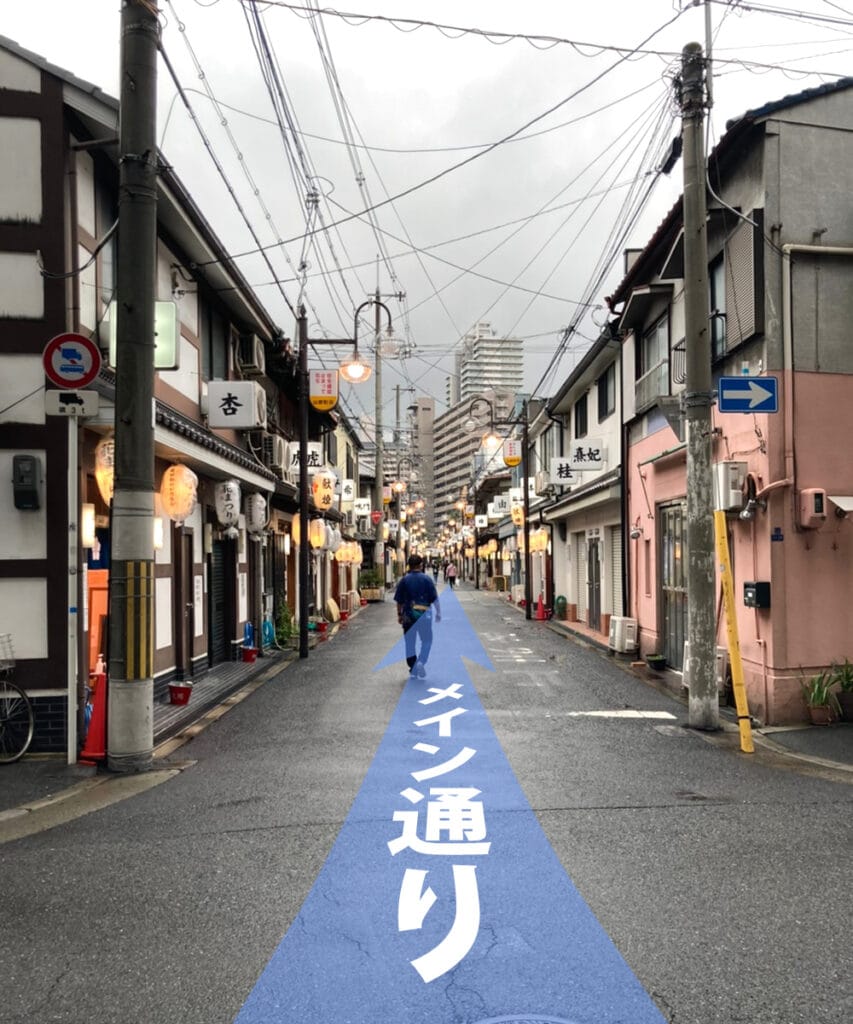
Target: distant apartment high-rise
{"type": "Point", "coordinates": [485, 362]}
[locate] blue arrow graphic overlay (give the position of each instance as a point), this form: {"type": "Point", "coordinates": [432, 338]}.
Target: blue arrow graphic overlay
{"type": "Point", "coordinates": [442, 901]}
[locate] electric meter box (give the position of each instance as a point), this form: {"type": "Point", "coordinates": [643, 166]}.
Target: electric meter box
{"type": "Point", "coordinates": [756, 594]}
{"type": "Point", "coordinates": [729, 478]}
{"type": "Point", "coordinates": [812, 508]}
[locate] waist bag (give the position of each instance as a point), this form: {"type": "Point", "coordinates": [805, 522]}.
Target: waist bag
{"type": "Point", "coordinates": [417, 611]}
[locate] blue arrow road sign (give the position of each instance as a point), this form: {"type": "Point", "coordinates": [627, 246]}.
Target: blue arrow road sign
{"type": "Point", "coordinates": [442, 901]}
{"type": "Point", "coordinates": [748, 394]}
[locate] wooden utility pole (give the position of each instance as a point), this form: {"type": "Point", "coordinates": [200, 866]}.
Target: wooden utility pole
{"type": "Point", "coordinates": [130, 723]}
{"type": "Point", "coordinates": [700, 668]}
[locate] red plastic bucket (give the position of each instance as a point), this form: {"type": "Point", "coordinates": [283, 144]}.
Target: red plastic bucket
{"type": "Point", "coordinates": [250, 654]}
{"type": "Point", "coordinates": [179, 694]}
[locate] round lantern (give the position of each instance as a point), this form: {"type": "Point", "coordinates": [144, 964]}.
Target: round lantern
{"type": "Point", "coordinates": [226, 500]}
{"type": "Point", "coordinates": [178, 492]}
{"type": "Point", "coordinates": [517, 513]}
{"type": "Point", "coordinates": [256, 515]}
{"type": "Point", "coordinates": [336, 541]}
{"type": "Point", "coordinates": [323, 489]}
{"type": "Point", "coordinates": [295, 530]}
{"type": "Point", "coordinates": [105, 468]}
{"type": "Point", "coordinates": [317, 533]}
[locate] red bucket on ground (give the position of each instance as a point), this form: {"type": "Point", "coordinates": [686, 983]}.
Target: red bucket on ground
{"type": "Point", "coordinates": [179, 694]}
{"type": "Point", "coordinates": [250, 654]}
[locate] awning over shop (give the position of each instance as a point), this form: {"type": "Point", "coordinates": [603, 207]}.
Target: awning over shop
{"type": "Point", "coordinates": [598, 492]}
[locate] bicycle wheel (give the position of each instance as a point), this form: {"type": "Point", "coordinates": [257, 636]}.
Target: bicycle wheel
{"type": "Point", "coordinates": [16, 722]}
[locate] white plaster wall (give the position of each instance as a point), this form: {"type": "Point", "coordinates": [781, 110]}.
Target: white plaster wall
{"type": "Point", "coordinates": [21, 287]}
{"type": "Point", "coordinates": [23, 613]}
{"type": "Point", "coordinates": [21, 389]}
{"type": "Point", "coordinates": [243, 597]}
{"type": "Point", "coordinates": [18, 74]}
{"type": "Point", "coordinates": [198, 599]}
{"type": "Point", "coordinates": [196, 524]}
{"type": "Point", "coordinates": [86, 193]}
{"type": "Point", "coordinates": [170, 283]}
{"type": "Point", "coordinates": [24, 533]}
{"type": "Point", "coordinates": [163, 612]}
{"type": "Point", "coordinates": [20, 169]}
{"type": "Point", "coordinates": [185, 379]}
{"type": "Point", "coordinates": [87, 283]}
{"type": "Point", "coordinates": [164, 555]}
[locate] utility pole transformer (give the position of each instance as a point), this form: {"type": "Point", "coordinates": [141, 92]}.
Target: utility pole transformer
{"type": "Point", "coordinates": [130, 722]}
{"type": "Point", "coordinates": [700, 668]}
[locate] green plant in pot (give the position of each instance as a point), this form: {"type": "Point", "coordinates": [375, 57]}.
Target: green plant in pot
{"type": "Point", "coordinates": [820, 698]}
{"type": "Point", "coordinates": [284, 630]}
{"type": "Point", "coordinates": [843, 676]}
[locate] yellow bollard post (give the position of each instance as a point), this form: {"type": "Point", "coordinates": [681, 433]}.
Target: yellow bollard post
{"type": "Point", "coordinates": [743, 719]}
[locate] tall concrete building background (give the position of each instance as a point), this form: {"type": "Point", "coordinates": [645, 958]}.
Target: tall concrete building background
{"type": "Point", "coordinates": [485, 361]}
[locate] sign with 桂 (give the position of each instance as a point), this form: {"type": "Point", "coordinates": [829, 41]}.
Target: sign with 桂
{"type": "Point", "coordinates": [748, 394]}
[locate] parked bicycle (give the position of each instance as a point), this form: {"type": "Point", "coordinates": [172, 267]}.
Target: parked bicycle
{"type": "Point", "coordinates": [16, 712]}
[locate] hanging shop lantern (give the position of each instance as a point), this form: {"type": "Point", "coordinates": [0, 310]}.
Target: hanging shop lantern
{"type": "Point", "coordinates": [179, 492]}
{"type": "Point", "coordinates": [323, 489]}
{"type": "Point", "coordinates": [226, 501]}
{"type": "Point", "coordinates": [295, 529]}
{"type": "Point", "coordinates": [317, 534]}
{"type": "Point", "coordinates": [336, 540]}
{"type": "Point", "coordinates": [105, 468]}
{"type": "Point", "coordinates": [517, 513]}
{"type": "Point", "coordinates": [256, 515]}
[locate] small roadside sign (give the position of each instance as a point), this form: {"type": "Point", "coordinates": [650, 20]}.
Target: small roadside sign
{"type": "Point", "coordinates": [71, 360]}
{"type": "Point", "coordinates": [72, 403]}
{"type": "Point", "coordinates": [748, 394]}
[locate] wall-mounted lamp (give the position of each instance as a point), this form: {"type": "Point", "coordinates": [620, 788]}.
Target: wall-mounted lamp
{"type": "Point", "coordinates": [87, 525]}
{"type": "Point", "coordinates": [636, 532]}
{"type": "Point", "coordinates": [748, 512]}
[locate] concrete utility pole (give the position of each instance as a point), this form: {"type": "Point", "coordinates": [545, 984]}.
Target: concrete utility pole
{"type": "Point", "coordinates": [130, 723]}
{"type": "Point", "coordinates": [700, 669]}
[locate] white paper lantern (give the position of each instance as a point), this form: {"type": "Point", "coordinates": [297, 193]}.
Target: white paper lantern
{"type": "Point", "coordinates": [226, 499]}
{"type": "Point", "coordinates": [323, 489]}
{"type": "Point", "coordinates": [256, 515]}
{"type": "Point", "coordinates": [179, 492]}
{"type": "Point", "coordinates": [105, 468]}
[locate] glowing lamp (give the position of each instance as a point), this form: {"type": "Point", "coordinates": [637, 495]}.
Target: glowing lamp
{"type": "Point", "coordinates": [105, 468]}
{"type": "Point", "coordinates": [179, 492]}
{"type": "Point", "coordinates": [323, 489]}
{"type": "Point", "coordinates": [317, 534]}
{"type": "Point", "coordinates": [87, 525]}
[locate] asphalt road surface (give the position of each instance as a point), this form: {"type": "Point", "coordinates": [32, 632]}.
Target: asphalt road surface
{"type": "Point", "coordinates": [529, 834]}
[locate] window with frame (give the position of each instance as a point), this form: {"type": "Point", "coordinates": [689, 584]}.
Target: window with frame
{"type": "Point", "coordinates": [717, 288]}
{"type": "Point", "coordinates": [606, 386]}
{"type": "Point", "coordinates": [654, 349]}
{"type": "Point", "coordinates": [581, 420]}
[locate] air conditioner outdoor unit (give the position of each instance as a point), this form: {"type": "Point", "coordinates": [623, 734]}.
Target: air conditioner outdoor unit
{"type": "Point", "coordinates": [236, 404]}
{"type": "Point", "coordinates": [349, 517]}
{"type": "Point", "coordinates": [252, 356]}
{"type": "Point", "coordinates": [623, 634]}
{"type": "Point", "coordinates": [275, 453]}
{"type": "Point", "coordinates": [729, 478]}
{"type": "Point", "coordinates": [542, 484]}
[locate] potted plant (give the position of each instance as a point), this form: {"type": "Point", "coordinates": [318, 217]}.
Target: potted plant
{"type": "Point", "coordinates": [370, 585]}
{"type": "Point", "coordinates": [820, 699]}
{"type": "Point", "coordinates": [843, 675]}
{"type": "Point", "coordinates": [656, 662]}
{"type": "Point", "coordinates": [284, 631]}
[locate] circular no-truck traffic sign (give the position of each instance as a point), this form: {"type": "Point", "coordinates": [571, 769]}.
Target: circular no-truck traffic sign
{"type": "Point", "coordinates": [71, 360]}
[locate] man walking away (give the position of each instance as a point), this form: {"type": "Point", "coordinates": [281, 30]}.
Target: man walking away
{"type": "Point", "coordinates": [414, 596]}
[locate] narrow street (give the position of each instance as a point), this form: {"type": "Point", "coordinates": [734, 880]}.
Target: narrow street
{"type": "Point", "coordinates": [528, 834]}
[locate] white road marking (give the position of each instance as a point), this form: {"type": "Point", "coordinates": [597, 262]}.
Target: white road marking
{"type": "Point", "coordinates": [621, 713]}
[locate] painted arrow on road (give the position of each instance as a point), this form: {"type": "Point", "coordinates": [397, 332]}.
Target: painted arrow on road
{"type": "Point", "coordinates": [442, 901]}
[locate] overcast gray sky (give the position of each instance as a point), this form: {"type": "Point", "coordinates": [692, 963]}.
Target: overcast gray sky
{"type": "Point", "coordinates": [519, 234]}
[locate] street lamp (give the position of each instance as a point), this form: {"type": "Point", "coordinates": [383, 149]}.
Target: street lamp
{"type": "Point", "coordinates": [353, 370]}
{"type": "Point", "coordinates": [491, 440]}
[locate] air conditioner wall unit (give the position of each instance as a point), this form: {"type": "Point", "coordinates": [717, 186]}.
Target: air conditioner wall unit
{"type": "Point", "coordinates": [729, 479]}
{"type": "Point", "coordinates": [542, 483]}
{"type": "Point", "coordinates": [275, 453]}
{"type": "Point", "coordinates": [349, 517]}
{"type": "Point", "coordinates": [252, 355]}
{"type": "Point", "coordinates": [623, 634]}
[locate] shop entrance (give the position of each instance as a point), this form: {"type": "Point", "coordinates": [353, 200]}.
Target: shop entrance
{"type": "Point", "coordinates": [221, 600]}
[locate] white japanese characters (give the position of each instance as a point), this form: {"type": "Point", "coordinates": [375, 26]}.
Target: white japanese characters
{"type": "Point", "coordinates": [453, 824]}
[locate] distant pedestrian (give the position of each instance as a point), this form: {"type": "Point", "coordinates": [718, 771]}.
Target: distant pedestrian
{"type": "Point", "coordinates": [435, 570]}
{"type": "Point", "coordinates": [451, 575]}
{"type": "Point", "coordinates": [415, 595]}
